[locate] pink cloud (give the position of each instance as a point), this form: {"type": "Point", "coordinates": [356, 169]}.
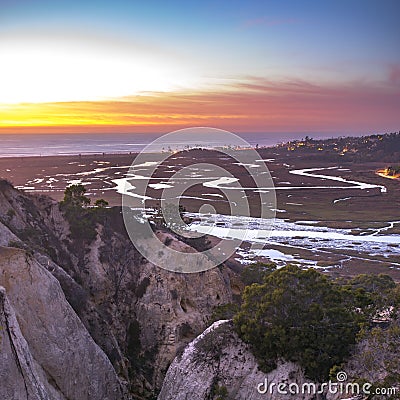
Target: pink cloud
{"type": "Point", "coordinates": [249, 105]}
{"type": "Point", "coordinates": [394, 74]}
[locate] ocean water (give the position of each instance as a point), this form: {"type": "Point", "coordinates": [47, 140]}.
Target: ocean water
{"type": "Point", "coordinates": [23, 145]}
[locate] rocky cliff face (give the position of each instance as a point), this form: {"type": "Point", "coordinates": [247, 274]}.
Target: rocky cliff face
{"type": "Point", "coordinates": [20, 376]}
{"type": "Point", "coordinates": [218, 363]}
{"type": "Point", "coordinates": [100, 308]}
{"type": "Point", "coordinates": [54, 353]}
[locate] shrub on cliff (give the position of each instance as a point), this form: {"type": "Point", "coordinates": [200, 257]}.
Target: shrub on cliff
{"type": "Point", "coordinates": [74, 196]}
{"type": "Point", "coordinates": [376, 296]}
{"type": "Point", "coordinates": [256, 273]}
{"type": "Point", "coordinates": [301, 316]}
{"type": "Point", "coordinates": [82, 220]}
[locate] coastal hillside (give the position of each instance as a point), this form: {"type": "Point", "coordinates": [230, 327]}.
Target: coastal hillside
{"type": "Point", "coordinates": [300, 333]}
{"type": "Point", "coordinates": [90, 303]}
{"type": "Point", "coordinates": [219, 365]}
{"type": "Point", "coordinates": [83, 315]}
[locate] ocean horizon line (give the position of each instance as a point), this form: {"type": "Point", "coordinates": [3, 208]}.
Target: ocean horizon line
{"type": "Point", "coordinates": [45, 144]}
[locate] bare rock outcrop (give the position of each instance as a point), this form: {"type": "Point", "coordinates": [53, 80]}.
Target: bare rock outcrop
{"type": "Point", "coordinates": [219, 365]}
{"type": "Point", "coordinates": [47, 347]}
{"type": "Point", "coordinates": [217, 362]}
{"type": "Point", "coordinates": [21, 377]}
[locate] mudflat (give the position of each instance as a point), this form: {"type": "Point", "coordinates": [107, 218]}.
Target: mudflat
{"type": "Point", "coordinates": [313, 195]}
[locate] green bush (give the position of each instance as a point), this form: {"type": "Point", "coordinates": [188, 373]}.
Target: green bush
{"type": "Point", "coordinates": [16, 244]}
{"type": "Point", "coordinates": [219, 392]}
{"type": "Point", "coordinates": [101, 203]}
{"type": "Point", "coordinates": [82, 223]}
{"type": "Point", "coordinates": [82, 220]}
{"type": "Point", "coordinates": [225, 311]}
{"type": "Point", "coordinates": [74, 196]}
{"type": "Point", "coordinates": [373, 295]}
{"type": "Point", "coordinates": [300, 316]}
{"type": "Point", "coordinates": [256, 273]}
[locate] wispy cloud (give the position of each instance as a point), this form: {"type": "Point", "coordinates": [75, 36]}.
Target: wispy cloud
{"type": "Point", "coordinates": [248, 105]}
{"type": "Point", "coordinates": [394, 74]}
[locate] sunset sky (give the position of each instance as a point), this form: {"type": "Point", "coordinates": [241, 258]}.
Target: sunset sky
{"type": "Point", "coordinates": [155, 66]}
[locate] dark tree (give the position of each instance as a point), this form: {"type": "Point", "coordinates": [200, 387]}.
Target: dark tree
{"type": "Point", "coordinates": [74, 195]}
{"type": "Point", "coordinates": [101, 203]}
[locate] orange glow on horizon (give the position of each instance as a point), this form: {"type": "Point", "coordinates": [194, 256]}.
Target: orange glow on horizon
{"type": "Point", "coordinates": [258, 106]}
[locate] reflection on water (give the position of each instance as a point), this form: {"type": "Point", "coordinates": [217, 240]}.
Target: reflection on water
{"type": "Point", "coordinates": [297, 234]}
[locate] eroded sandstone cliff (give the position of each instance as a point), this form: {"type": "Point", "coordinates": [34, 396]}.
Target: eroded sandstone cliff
{"type": "Point", "coordinates": [99, 298]}
{"type": "Point", "coordinates": [46, 345]}
{"type": "Point", "coordinates": [217, 363]}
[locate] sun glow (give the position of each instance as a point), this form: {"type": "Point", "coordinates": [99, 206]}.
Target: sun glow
{"type": "Point", "coordinates": [139, 111]}
{"type": "Point", "coordinates": [43, 71]}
